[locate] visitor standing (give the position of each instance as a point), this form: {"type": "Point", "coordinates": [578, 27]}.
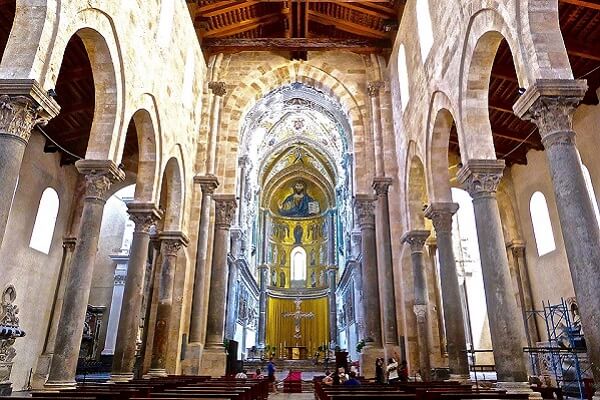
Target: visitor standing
{"type": "Point", "coordinates": [379, 374]}
{"type": "Point", "coordinates": [392, 370]}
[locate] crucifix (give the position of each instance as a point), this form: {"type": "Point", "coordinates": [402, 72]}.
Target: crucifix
{"type": "Point", "coordinates": [298, 316]}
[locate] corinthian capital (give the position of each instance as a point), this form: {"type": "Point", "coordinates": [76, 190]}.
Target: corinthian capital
{"type": "Point", "coordinates": [364, 206]}
{"type": "Point", "coordinates": [381, 185]}
{"type": "Point", "coordinates": [420, 311]}
{"type": "Point", "coordinates": [550, 104]}
{"type": "Point", "coordinates": [481, 177]}
{"type": "Point", "coordinates": [208, 184]}
{"type": "Point", "coordinates": [218, 88]}
{"type": "Point", "coordinates": [143, 215]}
{"type": "Point", "coordinates": [172, 242]}
{"type": "Point", "coordinates": [441, 215]}
{"type": "Point", "coordinates": [416, 239]}
{"type": "Point", "coordinates": [374, 87]}
{"type": "Point", "coordinates": [23, 105]}
{"type": "Point", "coordinates": [99, 177]}
{"type": "Point", "coordinates": [225, 206]}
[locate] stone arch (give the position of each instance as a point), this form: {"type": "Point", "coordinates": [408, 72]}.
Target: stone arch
{"type": "Point", "coordinates": [97, 31]}
{"type": "Point", "coordinates": [439, 125]}
{"type": "Point", "coordinates": [263, 81]}
{"type": "Point", "coordinates": [416, 190]}
{"type": "Point", "coordinates": [171, 195]}
{"type": "Point", "coordinates": [486, 29]}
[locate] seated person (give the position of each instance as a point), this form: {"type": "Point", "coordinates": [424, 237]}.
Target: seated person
{"type": "Point", "coordinates": [258, 374]}
{"type": "Point", "coordinates": [328, 380]}
{"type": "Point", "coordinates": [352, 381]}
{"type": "Point", "coordinates": [342, 375]}
{"type": "Point", "coordinates": [241, 375]}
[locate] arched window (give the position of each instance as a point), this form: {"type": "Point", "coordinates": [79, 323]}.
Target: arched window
{"type": "Point", "coordinates": [298, 258]}
{"type": "Point", "coordinates": [591, 192]}
{"type": "Point", "coordinates": [43, 228]}
{"type": "Point", "coordinates": [403, 76]}
{"type": "Point", "coordinates": [425, 27]}
{"type": "Point", "coordinates": [542, 226]}
{"type": "Point", "coordinates": [165, 22]}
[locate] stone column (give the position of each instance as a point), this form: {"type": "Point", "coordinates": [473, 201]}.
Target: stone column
{"type": "Point", "coordinates": [99, 176]}
{"type": "Point", "coordinates": [171, 244]}
{"type": "Point", "coordinates": [146, 352]}
{"type": "Point", "coordinates": [481, 178]}
{"type": "Point", "coordinates": [214, 356]}
{"type": "Point", "coordinates": [373, 91]}
{"type": "Point", "coordinates": [381, 186]}
{"type": "Point", "coordinates": [332, 280]}
{"type": "Point", "coordinates": [431, 250]}
{"type": "Point", "coordinates": [144, 215]}
{"type": "Point", "coordinates": [416, 239]}
{"type": "Point", "coordinates": [517, 251]}
{"type": "Point", "coordinates": [263, 271]}
{"type": "Point", "coordinates": [365, 216]}
{"type": "Point", "coordinates": [441, 216]}
{"type": "Point", "coordinates": [219, 91]}
{"type": "Point", "coordinates": [23, 105]}
{"type": "Point", "coordinates": [550, 104]}
{"type": "Point", "coordinates": [232, 294]}
{"type": "Point", "coordinates": [208, 185]}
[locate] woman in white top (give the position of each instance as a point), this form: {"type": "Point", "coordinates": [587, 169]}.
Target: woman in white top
{"type": "Point", "coordinates": [392, 370]}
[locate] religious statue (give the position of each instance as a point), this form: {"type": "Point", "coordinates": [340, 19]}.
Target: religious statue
{"type": "Point", "coordinates": [273, 277]}
{"type": "Point", "coordinates": [297, 204]}
{"type": "Point", "coordinates": [282, 279]}
{"type": "Point", "coordinates": [298, 233]}
{"type": "Point", "coordinates": [313, 279]}
{"type": "Point", "coordinates": [283, 255]}
{"type": "Point", "coordinates": [322, 278]}
{"type": "Point", "coordinates": [313, 260]}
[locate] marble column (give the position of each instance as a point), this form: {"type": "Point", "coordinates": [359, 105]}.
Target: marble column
{"type": "Point", "coordinates": [441, 216]}
{"type": "Point", "coordinates": [171, 244]}
{"type": "Point", "coordinates": [144, 215]}
{"type": "Point", "coordinates": [550, 104]}
{"type": "Point", "coordinates": [208, 185]}
{"type": "Point", "coordinates": [373, 89]}
{"type": "Point", "coordinates": [481, 178]}
{"type": "Point", "coordinates": [332, 280]}
{"type": "Point", "coordinates": [232, 294]}
{"type": "Point", "coordinates": [381, 186]}
{"type": "Point", "coordinates": [215, 355]}
{"type": "Point", "coordinates": [416, 239]}
{"type": "Point", "coordinates": [263, 273]}
{"type": "Point", "coordinates": [219, 91]}
{"type": "Point", "coordinates": [431, 249]}
{"type": "Point", "coordinates": [99, 176]}
{"type": "Point", "coordinates": [371, 311]}
{"type": "Point", "coordinates": [23, 105]}
{"type": "Point", "coordinates": [146, 351]}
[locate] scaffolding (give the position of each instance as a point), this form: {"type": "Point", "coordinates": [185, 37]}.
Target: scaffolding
{"type": "Point", "coordinates": [563, 357]}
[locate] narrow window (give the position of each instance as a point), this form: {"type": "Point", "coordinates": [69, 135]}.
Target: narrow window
{"type": "Point", "coordinates": [165, 22]}
{"type": "Point", "coordinates": [425, 28]}
{"type": "Point", "coordinates": [403, 77]}
{"type": "Point", "coordinates": [298, 264]}
{"type": "Point", "coordinates": [45, 221]}
{"type": "Point", "coordinates": [591, 192]}
{"type": "Point", "coordinates": [542, 226]}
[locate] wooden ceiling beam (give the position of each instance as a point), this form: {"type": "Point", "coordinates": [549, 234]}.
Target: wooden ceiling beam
{"type": "Point", "coordinates": [513, 138]}
{"type": "Point", "coordinates": [582, 3]}
{"type": "Point", "coordinates": [347, 26]}
{"type": "Point", "coordinates": [243, 26]}
{"type": "Point", "coordinates": [383, 15]}
{"type": "Point", "coordinates": [578, 49]}
{"type": "Point", "coordinates": [230, 7]}
{"type": "Point", "coordinates": [295, 44]}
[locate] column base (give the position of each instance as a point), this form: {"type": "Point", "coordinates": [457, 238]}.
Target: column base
{"type": "Point", "coordinates": [214, 362]}
{"type": "Point", "coordinates": [368, 356]}
{"type": "Point", "coordinates": [156, 373]}
{"type": "Point", "coordinates": [55, 386]}
{"type": "Point", "coordinates": [42, 369]}
{"type": "Point", "coordinates": [519, 388]}
{"type": "Point", "coordinates": [121, 377]}
{"type": "Point", "coordinates": [193, 356]}
{"type": "Point", "coordinates": [5, 389]}
{"type": "Point", "coordinates": [463, 379]}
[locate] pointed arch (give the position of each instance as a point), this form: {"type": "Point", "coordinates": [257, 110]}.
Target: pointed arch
{"type": "Point", "coordinates": [171, 199]}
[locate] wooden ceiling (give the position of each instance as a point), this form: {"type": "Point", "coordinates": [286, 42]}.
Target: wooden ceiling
{"type": "Point", "coordinates": [513, 138]}
{"type": "Point", "coordinates": [296, 26]}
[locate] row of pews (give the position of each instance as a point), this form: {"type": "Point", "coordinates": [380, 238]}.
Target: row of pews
{"type": "Point", "coordinates": [168, 388]}
{"type": "Point", "coordinates": [410, 391]}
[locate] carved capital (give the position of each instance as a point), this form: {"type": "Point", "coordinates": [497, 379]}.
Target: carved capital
{"type": "Point", "coordinates": [381, 185]}
{"type": "Point", "coordinates": [481, 177]}
{"type": "Point", "coordinates": [217, 88]}
{"type": "Point", "coordinates": [69, 243]}
{"type": "Point", "coordinates": [244, 162]}
{"type": "Point", "coordinates": [172, 242]}
{"type": "Point", "coordinates": [143, 215]}
{"type": "Point", "coordinates": [441, 215]}
{"type": "Point", "coordinates": [550, 104]}
{"type": "Point", "coordinates": [225, 206]}
{"type": "Point", "coordinates": [23, 105]}
{"type": "Point", "coordinates": [416, 239]}
{"type": "Point", "coordinates": [208, 184]}
{"type": "Point", "coordinates": [99, 177]}
{"type": "Point", "coordinates": [420, 311]}
{"type": "Point", "coordinates": [364, 206]}
{"type": "Point", "coordinates": [374, 87]}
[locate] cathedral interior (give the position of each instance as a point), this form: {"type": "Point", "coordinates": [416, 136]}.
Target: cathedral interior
{"type": "Point", "coordinates": [192, 188]}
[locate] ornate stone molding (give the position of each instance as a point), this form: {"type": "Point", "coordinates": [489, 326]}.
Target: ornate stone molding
{"type": "Point", "coordinates": [374, 87]}
{"type": "Point", "coordinates": [381, 185]}
{"type": "Point", "coordinates": [481, 177]}
{"type": "Point", "coordinates": [208, 184]}
{"type": "Point", "coordinates": [420, 311]}
{"type": "Point", "coordinates": [218, 88]}
{"type": "Point", "coordinates": [441, 215]}
{"type": "Point", "coordinates": [416, 239]}
{"type": "Point", "coordinates": [364, 206]}
{"type": "Point", "coordinates": [143, 215]}
{"type": "Point", "coordinates": [172, 242]}
{"type": "Point", "coordinates": [99, 177]}
{"type": "Point", "coordinates": [69, 243]}
{"type": "Point", "coordinates": [225, 206]}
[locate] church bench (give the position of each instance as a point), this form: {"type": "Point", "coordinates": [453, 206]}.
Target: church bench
{"type": "Point", "coordinates": [370, 395]}
{"type": "Point", "coordinates": [457, 396]}
{"type": "Point", "coordinates": [241, 394]}
{"type": "Point", "coordinates": [163, 396]}
{"type": "Point", "coordinates": [97, 395]}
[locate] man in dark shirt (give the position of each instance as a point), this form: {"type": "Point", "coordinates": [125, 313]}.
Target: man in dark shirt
{"type": "Point", "coordinates": [352, 381]}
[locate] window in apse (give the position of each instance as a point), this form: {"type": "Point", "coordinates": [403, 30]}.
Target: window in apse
{"type": "Point", "coordinates": [542, 226]}
{"type": "Point", "coordinates": [45, 221]}
{"type": "Point", "coordinates": [298, 257]}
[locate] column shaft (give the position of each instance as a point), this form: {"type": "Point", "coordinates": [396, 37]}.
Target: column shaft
{"type": "Point", "coordinates": [99, 176]}
{"type": "Point", "coordinates": [481, 179]}
{"type": "Point", "coordinates": [218, 90]}
{"type": "Point", "coordinates": [262, 305]}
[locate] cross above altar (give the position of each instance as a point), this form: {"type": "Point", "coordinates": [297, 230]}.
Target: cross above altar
{"type": "Point", "coordinates": [298, 316]}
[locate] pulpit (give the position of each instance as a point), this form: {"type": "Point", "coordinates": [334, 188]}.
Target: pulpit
{"type": "Point", "coordinates": [296, 352]}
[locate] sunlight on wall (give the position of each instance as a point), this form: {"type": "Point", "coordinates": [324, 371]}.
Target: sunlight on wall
{"type": "Point", "coordinates": [542, 226]}
{"type": "Point", "coordinates": [403, 74]}
{"type": "Point", "coordinates": [425, 28]}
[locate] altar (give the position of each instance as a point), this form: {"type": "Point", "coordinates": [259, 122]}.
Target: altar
{"type": "Point", "coordinates": [296, 352]}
